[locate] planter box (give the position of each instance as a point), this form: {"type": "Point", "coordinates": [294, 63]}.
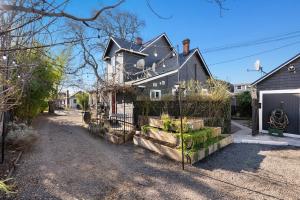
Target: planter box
{"type": "Point", "coordinates": [158, 134]}
{"type": "Point", "coordinates": [161, 149]}
{"type": "Point", "coordinates": [195, 124]}
{"type": "Point", "coordinates": [202, 153]}
{"type": "Point", "coordinates": [155, 122]}
{"type": "Point", "coordinates": [216, 131]}
{"type": "Point", "coordinates": [175, 153]}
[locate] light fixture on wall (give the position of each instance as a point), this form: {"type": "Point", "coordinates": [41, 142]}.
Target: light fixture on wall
{"type": "Point", "coordinates": [292, 69]}
{"type": "Point", "coordinates": [155, 52]}
{"type": "Point", "coordinates": [4, 57]}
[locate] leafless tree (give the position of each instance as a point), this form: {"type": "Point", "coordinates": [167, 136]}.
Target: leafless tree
{"type": "Point", "coordinates": [33, 24]}
{"type": "Point", "coordinates": [27, 25]}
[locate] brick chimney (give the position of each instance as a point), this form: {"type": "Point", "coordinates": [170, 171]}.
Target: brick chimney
{"type": "Point", "coordinates": [138, 41]}
{"type": "Point", "coordinates": [186, 46]}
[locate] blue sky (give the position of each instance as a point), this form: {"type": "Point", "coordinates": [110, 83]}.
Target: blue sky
{"type": "Point", "coordinates": [200, 21]}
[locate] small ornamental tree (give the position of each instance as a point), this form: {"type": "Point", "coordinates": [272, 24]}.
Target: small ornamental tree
{"type": "Point", "coordinates": [244, 103]}
{"type": "Point", "coordinates": [42, 83]}
{"type": "Point", "coordinates": [83, 100]}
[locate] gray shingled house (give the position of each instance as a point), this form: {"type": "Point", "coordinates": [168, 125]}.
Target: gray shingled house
{"type": "Point", "coordinates": [280, 88]}
{"type": "Point", "coordinates": [155, 66]}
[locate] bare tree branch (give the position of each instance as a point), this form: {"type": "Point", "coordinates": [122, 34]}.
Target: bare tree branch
{"type": "Point", "coordinates": [7, 7]}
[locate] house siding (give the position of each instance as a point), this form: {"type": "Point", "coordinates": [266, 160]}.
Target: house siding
{"type": "Point", "coordinates": [161, 47]}
{"type": "Point", "coordinates": [170, 81]}
{"type": "Point", "coordinates": [187, 72]}
{"type": "Point", "coordinates": [282, 79]}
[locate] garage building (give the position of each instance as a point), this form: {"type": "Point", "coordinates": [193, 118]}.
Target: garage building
{"type": "Point", "coordinates": [280, 88]}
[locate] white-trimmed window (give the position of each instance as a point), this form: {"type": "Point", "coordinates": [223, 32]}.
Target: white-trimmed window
{"type": "Point", "coordinates": [155, 94]}
{"type": "Point", "coordinates": [163, 82]}
{"type": "Point", "coordinates": [154, 84]}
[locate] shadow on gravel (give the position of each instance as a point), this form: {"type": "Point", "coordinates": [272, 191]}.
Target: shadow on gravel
{"type": "Point", "coordinates": [238, 157]}
{"type": "Point", "coordinates": [100, 170]}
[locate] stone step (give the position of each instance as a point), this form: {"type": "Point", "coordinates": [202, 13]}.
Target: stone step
{"type": "Point", "coordinates": [161, 135]}
{"type": "Point", "coordinates": [157, 147]}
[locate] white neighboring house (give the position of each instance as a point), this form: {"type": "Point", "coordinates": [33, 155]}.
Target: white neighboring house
{"type": "Point", "coordinates": [73, 101]}
{"type": "Point", "coordinates": [242, 87]}
{"type": "Point", "coordinates": [237, 89]}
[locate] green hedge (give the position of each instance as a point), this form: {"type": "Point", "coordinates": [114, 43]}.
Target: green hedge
{"type": "Point", "coordinates": [214, 112]}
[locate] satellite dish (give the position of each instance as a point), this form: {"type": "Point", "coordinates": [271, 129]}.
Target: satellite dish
{"type": "Point", "coordinates": [140, 64]}
{"type": "Point", "coordinates": [257, 65]}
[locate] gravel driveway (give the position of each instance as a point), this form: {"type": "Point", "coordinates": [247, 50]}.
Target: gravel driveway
{"type": "Point", "coordinates": [68, 163]}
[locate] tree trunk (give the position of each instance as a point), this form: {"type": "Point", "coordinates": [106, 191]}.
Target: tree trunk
{"type": "Point", "coordinates": [51, 105]}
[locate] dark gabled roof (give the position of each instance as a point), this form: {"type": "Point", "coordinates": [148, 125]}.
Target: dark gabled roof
{"type": "Point", "coordinates": [123, 45]}
{"type": "Point", "coordinates": [276, 69]}
{"type": "Point", "coordinates": [172, 66]}
{"type": "Point", "coordinates": [127, 44]}
{"type": "Point", "coordinates": [130, 46]}
{"type": "Point", "coordinates": [148, 43]}
{"type": "Point", "coordinates": [171, 63]}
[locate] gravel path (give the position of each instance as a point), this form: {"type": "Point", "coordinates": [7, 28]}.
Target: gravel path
{"type": "Point", "coordinates": [68, 163]}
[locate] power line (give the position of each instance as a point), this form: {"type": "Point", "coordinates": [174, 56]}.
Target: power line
{"type": "Point", "coordinates": [255, 54]}
{"type": "Point", "coordinates": [276, 38]}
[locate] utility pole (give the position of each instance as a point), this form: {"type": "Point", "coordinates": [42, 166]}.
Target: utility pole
{"type": "Point", "coordinates": [180, 109]}
{"type": "Point", "coordinates": [124, 115]}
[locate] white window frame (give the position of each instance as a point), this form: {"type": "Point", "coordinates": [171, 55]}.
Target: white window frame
{"type": "Point", "coordinates": [154, 84]}
{"type": "Point", "coordinates": [159, 95]}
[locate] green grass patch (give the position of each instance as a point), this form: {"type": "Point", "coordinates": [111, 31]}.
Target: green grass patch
{"type": "Point", "coordinates": [193, 141]}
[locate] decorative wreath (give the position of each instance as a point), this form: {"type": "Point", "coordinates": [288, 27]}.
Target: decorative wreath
{"type": "Point", "coordinates": [278, 119]}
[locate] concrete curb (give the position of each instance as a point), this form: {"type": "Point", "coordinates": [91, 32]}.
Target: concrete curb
{"type": "Point", "coordinates": [249, 141]}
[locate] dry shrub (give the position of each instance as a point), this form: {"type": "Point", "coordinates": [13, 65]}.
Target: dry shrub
{"type": "Point", "coordinates": [5, 187]}
{"type": "Point", "coordinates": [20, 136]}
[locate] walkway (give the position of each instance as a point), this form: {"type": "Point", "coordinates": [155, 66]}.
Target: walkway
{"type": "Point", "coordinates": [67, 163]}
{"type": "Point", "coordinates": [244, 136]}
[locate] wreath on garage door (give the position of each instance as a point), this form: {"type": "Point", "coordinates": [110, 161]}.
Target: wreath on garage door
{"type": "Point", "coordinates": [278, 122]}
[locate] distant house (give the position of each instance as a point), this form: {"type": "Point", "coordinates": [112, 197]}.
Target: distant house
{"type": "Point", "coordinates": [155, 67]}
{"type": "Point", "coordinates": [238, 89]}
{"type": "Point", "coordinates": [280, 88]}
{"type": "Point", "coordinates": [241, 87]}
{"type": "Point", "coordinates": [61, 101]}
{"type": "Point", "coordinates": [73, 101]}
